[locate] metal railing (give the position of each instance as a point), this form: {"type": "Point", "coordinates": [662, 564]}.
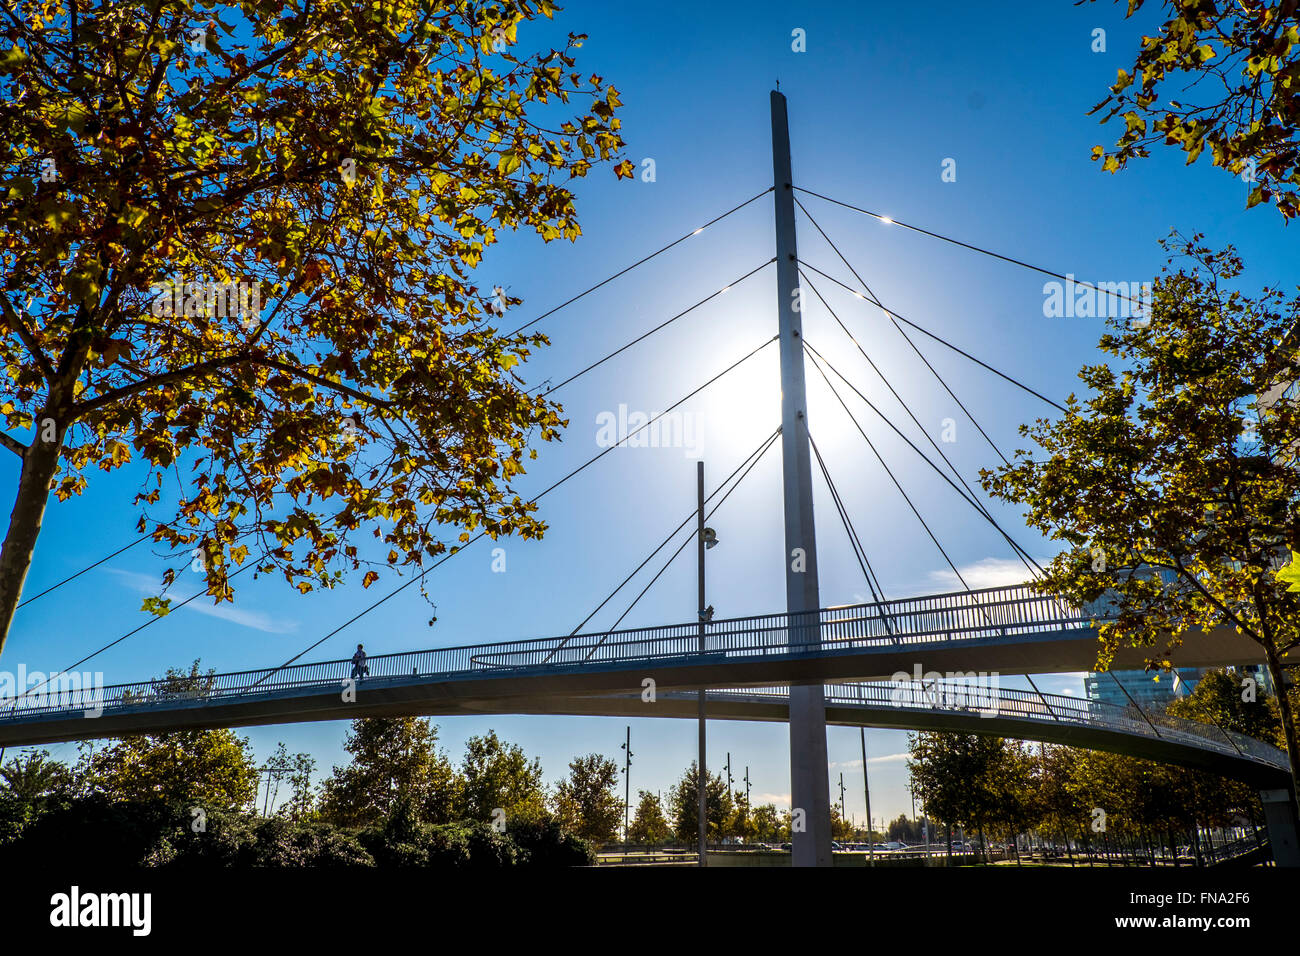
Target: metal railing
{"type": "Point", "coordinates": [920, 621]}
{"type": "Point", "coordinates": [973, 698]}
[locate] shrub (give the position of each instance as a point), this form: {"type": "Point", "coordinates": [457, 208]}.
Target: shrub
{"type": "Point", "coordinates": [548, 844]}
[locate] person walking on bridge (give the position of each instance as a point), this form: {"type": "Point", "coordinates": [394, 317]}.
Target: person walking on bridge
{"type": "Point", "coordinates": [359, 668]}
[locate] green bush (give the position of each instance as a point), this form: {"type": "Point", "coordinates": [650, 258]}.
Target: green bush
{"type": "Point", "coordinates": [113, 834]}
{"type": "Point", "coordinates": [132, 834]}
{"type": "Point", "coordinates": [547, 844]}
{"type": "Point", "coordinates": [16, 813]}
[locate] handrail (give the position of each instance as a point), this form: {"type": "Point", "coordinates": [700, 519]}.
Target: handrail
{"type": "Point", "coordinates": [930, 619]}
{"type": "Point", "coordinates": [1026, 705]}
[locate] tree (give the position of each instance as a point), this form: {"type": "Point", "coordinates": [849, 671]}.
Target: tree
{"type": "Point", "coordinates": [1016, 803]}
{"type": "Point", "coordinates": [1061, 812]}
{"type": "Point", "coordinates": [901, 829]}
{"type": "Point", "coordinates": [649, 826]}
{"type": "Point", "coordinates": [1219, 699]}
{"type": "Point", "coordinates": [741, 823]}
{"type": "Point", "coordinates": [35, 775]}
{"type": "Point", "coordinates": [956, 776]}
{"type": "Point", "coordinates": [394, 760]}
{"type": "Point", "coordinates": [841, 829]}
{"type": "Point", "coordinates": [1248, 115]}
{"type": "Point", "coordinates": [302, 802]}
{"type": "Point", "coordinates": [684, 800]}
{"type": "Point", "coordinates": [767, 824]}
{"type": "Point", "coordinates": [248, 245]}
{"type": "Point", "coordinates": [587, 802]}
{"type": "Point", "coordinates": [1175, 486]}
{"type": "Point", "coordinates": [298, 768]}
{"type": "Point", "coordinates": [212, 769]}
{"type": "Point", "coordinates": [499, 776]}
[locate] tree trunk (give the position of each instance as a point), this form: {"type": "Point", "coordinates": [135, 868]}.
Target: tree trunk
{"type": "Point", "coordinates": [40, 464]}
{"type": "Point", "coordinates": [1289, 731]}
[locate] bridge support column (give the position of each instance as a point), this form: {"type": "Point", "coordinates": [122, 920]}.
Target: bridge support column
{"type": "Point", "coordinates": [1280, 821]}
{"type": "Point", "coordinates": [810, 791]}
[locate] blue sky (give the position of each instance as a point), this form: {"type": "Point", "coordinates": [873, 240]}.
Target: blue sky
{"type": "Point", "coordinates": [881, 97]}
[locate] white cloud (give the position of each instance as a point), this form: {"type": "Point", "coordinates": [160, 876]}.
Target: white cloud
{"type": "Point", "coordinates": [857, 764]}
{"type": "Point", "coordinates": [985, 573]}
{"type": "Point", "coordinates": [257, 620]}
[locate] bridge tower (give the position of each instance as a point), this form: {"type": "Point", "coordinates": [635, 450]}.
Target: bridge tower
{"type": "Point", "coordinates": [809, 774]}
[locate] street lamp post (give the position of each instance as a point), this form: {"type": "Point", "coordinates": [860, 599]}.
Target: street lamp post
{"type": "Point", "coordinates": [627, 782]}
{"type": "Point", "coordinates": [704, 539]}
{"type": "Point", "coordinates": [866, 792]}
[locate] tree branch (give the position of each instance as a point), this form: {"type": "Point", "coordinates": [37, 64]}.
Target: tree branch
{"type": "Point", "coordinates": [14, 445]}
{"type": "Point", "coordinates": [216, 365]}
{"type": "Point", "coordinates": [15, 322]}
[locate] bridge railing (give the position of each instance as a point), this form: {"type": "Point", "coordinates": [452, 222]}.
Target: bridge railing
{"type": "Point", "coordinates": [987, 613]}
{"type": "Point", "coordinates": [968, 697]}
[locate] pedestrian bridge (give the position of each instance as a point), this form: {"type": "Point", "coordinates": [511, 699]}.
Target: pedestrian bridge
{"type": "Point", "coordinates": [1011, 630]}
{"type": "Point", "coordinates": [972, 707]}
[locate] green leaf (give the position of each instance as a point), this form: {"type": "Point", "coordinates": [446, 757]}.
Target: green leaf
{"type": "Point", "coordinates": [1290, 574]}
{"type": "Point", "coordinates": [12, 59]}
{"type": "Point", "coordinates": [159, 607]}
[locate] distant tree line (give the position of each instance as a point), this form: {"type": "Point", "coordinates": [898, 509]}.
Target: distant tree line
{"type": "Point", "coordinates": [192, 798]}
{"type": "Point", "coordinates": [1001, 789]}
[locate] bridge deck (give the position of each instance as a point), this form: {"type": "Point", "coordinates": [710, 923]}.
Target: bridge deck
{"type": "Point", "coordinates": [996, 630]}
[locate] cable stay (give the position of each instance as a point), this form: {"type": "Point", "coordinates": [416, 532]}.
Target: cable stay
{"type": "Point", "coordinates": [89, 567]}
{"type": "Point", "coordinates": [906, 497]}
{"type": "Point", "coordinates": [890, 473]}
{"type": "Point", "coordinates": [921, 428]}
{"type": "Point", "coordinates": [888, 220]}
{"type": "Point", "coordinates": [859, 552]}
{"type": "Point", "coordinates": [672, 534]}
{"type": "Point", "coordinates": [581, 468]}
{"type": "Point", "coordinates": [974, 499]}
{"type": "Point", "coordinates": [818, 359]}
{"type": "Point", "coordinates": [942, 341]}
{"type": "Point", "coordinates": [933, 371]}
{"type": "Point", "coordinates": [662, 325]}
{"type": "Point", "coordinates": [659, 251]}
{"type": "Point", "coordinates": [754, 461]}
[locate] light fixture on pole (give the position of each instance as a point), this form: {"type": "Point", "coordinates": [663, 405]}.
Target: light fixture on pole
{"type": "Point", "coordinates": [627, 781]}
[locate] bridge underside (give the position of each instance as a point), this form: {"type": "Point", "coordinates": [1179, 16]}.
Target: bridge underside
{"type": "Point", "coordinates": [672, 704]}
{"type": "Point", "coordinates": [554, 689]}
